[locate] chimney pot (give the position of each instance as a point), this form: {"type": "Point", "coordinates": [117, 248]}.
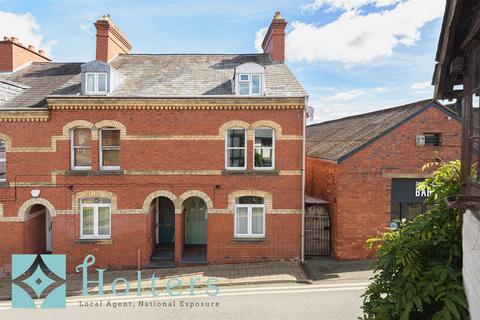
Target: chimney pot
{"type": "Point", "coordinates": [41, 52]}
{"type": "Point", "coordinates": [15, 39]}
{"type": "Point", "coordinates": [31, 47]}
{"type": "Point", "coordinates": [6, 39]}
{"type": "Point", "coordinates": [277, 16]}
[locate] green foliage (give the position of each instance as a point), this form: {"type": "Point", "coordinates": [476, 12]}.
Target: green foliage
{"type": "Point", "coordinates": [418, 270]}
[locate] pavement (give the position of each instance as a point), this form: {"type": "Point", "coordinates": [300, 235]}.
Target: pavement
{"type": "Point", "coordinates": [328, 269]}
{"type": "Point", "coordinates": [226, 275]}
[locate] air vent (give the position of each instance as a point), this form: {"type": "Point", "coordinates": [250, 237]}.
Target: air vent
{"type": "Point", "coordinates": [420, 140]}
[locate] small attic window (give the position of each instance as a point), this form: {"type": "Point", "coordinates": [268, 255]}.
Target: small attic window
{"type": "Point", "coordinates": [249, 78]}
{"type": "Point", "coordinates": [95, 82]}
{"type": "Point", "coordinates": [99, 78]}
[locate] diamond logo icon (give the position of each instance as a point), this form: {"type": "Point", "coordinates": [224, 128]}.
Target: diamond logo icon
{"type": "Point", "coordinates": [38, 277]}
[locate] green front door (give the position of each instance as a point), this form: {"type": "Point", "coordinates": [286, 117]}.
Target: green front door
{"type": "Point", "coordinates": [195, 221]}
{"type": "Point", "coordinates": [166, 221]}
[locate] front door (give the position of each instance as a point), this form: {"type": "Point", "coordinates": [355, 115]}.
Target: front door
{"type": "Point", "coordinates": [195, 221]}
{"type": "Point", "coordinates": [48, 232]}
{"type": "Point", "coordinates": [166, 221]}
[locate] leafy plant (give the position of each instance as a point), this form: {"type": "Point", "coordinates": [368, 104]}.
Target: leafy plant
{"type": "Point", "coordinates": [418, 267]}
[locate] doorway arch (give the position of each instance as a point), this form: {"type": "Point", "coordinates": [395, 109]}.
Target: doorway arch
{"type": "Point", "coordinates": [196, 230]}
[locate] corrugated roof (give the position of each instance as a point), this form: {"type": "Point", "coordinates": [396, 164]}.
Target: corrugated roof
{"type": "Point", "coordinates": [336, 140]}
{"type": "Point", "coordinates": [156, 75]}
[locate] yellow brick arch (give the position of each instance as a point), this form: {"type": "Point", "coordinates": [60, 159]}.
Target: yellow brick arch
{"type": "Point", "coordinates": [112, 124]}
{"type": "Point", "coordinates": [27, 205]}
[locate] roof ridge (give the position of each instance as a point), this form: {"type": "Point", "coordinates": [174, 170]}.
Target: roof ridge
{"type": "Point", "coordinates": [424, 102]}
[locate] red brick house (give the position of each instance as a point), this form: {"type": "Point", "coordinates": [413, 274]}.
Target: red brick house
{"type": "Point", "coordinates": [367, 167]}
{"type": "Point", "coordinates": [151, 159]}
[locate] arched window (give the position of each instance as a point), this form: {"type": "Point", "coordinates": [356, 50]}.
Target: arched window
{"type": "Point", "coordinates": [264, 149]}
{"type": "Point", "coordinates": [249, 217]}
{"type": "Point", "coordinates": [3, 161]}
{"type": "Point", "coordinates": [95, 221]}
{"type": "Point", "coordinates": [81, 149]}
{"type": "Point", "coordinates": [109, 149]}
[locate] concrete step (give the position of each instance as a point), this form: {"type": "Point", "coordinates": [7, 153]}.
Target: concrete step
{"type": "Point", "coordinates": [162, 255]}
{"type": "Point", "coordinates": [161, 264]}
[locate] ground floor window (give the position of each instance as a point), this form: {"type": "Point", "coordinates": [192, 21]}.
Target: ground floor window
{"type": "Point", "coordinates": [405, 210]}
{"type": "Point", "coordinates": [408, 199]}
{"type": "Point", "coordinates": [95, 218]}
{"type": "Point", "coordinates": [249, 217]}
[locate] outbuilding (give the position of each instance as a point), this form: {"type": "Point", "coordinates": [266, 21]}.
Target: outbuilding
{"type": "Point", "coordinates": [368, 168]}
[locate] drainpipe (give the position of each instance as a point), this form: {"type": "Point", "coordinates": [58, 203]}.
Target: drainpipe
{"type": "Point", "coordinates": [302, 258]}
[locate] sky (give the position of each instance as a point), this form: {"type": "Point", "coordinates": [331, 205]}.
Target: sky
{"type": "Point", "coordinates": [352, 56]}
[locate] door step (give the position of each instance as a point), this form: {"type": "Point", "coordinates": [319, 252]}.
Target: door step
{"type": "Point", "coordinates": [162, 254]}
{"type": "Point", "coordinates": [161, 264]}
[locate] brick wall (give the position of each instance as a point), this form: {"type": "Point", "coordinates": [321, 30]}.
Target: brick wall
{"type": "Point", "coordinates": [171, 150]}
{"type": "Point", "coordinates": [363, 184]}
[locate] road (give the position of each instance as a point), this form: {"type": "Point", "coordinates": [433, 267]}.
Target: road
{"type": "Point", "coordinates": [295, 301]}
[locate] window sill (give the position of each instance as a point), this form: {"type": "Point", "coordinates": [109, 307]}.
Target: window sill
{"type": "Point", "coordinates": [94, 173]}
{"type": "Point", "coordinates": [94, 241]}
{"type": "Point", "coordinates": [246, 239]}
{"type": "Point", "coordinates": [250, 172]}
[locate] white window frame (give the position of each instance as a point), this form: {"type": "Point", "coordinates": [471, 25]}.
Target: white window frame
{"type": "Point", "coordinates": [72, 152]}
{"type": "Point", "coordinates": [100, 150]}
{"type": "Point", "coordinates": [227, 148]}
{"type": "Point", "coordinates": [249, 221]}
{"type": "Point", "coordinates": [4, 160]}
{"type": "Point", "coordinates": [272, 147]}
{"type": "Point", "coordinates": [95, 86]}
{"type": "Point", "coordinates": [95, 207]}
{"type": "Point", "coordinates": [250, 84]}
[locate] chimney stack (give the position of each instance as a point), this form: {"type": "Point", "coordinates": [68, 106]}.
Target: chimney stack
{"type": "Point", "coordinates": [110, 40]}
{"type": "Point", "coordinates": [14, 55]}
{"type": "Point", "coordinates": [274, 41]}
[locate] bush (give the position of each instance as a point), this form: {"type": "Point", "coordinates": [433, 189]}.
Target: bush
{"type": "Point", "coordinates": [418, 267]}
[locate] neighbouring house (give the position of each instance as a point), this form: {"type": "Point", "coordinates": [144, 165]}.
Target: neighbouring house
{"type": "Point", "coordinates": [457, 76]}
{"type": "Point", "coordinates": [151, 159]}
{"type": "Point", "coordinates": [367, 168]}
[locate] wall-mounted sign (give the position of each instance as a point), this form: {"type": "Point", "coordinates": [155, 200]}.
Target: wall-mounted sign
{"type": "Point", "coordinates": [407, 190]}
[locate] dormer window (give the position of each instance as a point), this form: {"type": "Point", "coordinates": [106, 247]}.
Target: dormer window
{"type": "Point", "coordinates": [249, 78]}
{"type": "Point", "coordinates": [95, 83]}
{"type": "Point", "coordinates": [99, 78]}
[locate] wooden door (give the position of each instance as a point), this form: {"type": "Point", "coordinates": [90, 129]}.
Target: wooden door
{"type": "Point", "coordinates": [195, 221]}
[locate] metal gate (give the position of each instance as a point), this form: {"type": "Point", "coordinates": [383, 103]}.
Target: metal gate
{"type": "Point", "coordinates": [317, 231]}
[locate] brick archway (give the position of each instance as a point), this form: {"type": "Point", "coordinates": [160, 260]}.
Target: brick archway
{"type": "Point", "coordinates": [27, 205]}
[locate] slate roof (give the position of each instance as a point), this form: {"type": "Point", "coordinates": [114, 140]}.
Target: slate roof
{"type": "Point", "coordinates": [156, 75]}
{"type": "Point", "coordinates": [337, 140]}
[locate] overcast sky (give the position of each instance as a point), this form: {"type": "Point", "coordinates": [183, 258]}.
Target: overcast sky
{"type": "Point", "coordinates": [352, 56]}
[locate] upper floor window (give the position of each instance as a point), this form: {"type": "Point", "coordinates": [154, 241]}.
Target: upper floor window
{"type": "Point", "coordinates": [264, 148]}
{"type": "Point", "coordinates": [249, 79]}
{"type": "Point", "coordinates": [109, 149]}
{"type": "Point", "coordinates": [81, 149]}
{"type": "Point", "coordinates": [95, 83]}
{"type": "Point", "coordinates": [95, 218]}
{"type": "Point", "coordinates": [235, 156]}
{"type": "Point", "coordinates": [3, 161]}
{"type": "Point", "coordinates": [249, 217]}
{"type": "Point", "coordinates": [249, 84]}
